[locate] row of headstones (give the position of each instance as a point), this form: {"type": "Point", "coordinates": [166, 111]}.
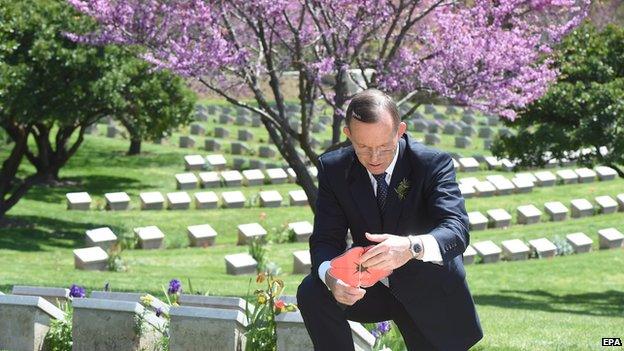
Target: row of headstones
{"type": "Point", "coordinates": [234, 178]}
{"type": "Point", "coordinates": [464, 127]}
{"type": "Point", "coordinates": [461, 142]}
{"type": "Point", "coordinates": [181, 200]}
{"type": "Point", "coordinates": [557, 211]}
{"type": "Point", "coordinates": [516, 249]}
{"type": "Point", "coordinates": [119, 321]}
{"type": "Point", "coordinates": [242, 148]}
{"type": "Point", "coordinates": [525, 182]}
{"type": "Point", "coordinates": [218, 162]}
{"type": "Point", "coordinates": [100, 240]}
{"type": "Point", "coordinates": [255, 121]}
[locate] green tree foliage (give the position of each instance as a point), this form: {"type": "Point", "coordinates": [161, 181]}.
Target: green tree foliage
{"type": "Point", "coordinates": [584, 110]}
{"type": "Point", "coordinates": [52, 89]}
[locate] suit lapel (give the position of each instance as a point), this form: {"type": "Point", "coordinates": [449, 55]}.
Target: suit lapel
{"type": "Point", "coordinates": [394, 206]}
{"type": "Point", "coordinates": [364, 196]}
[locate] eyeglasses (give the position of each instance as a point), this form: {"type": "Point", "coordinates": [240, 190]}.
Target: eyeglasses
{"type": "Point", "coordinates": [369, 152]}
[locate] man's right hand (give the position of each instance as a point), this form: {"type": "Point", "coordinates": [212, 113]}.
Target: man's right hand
{"type": "Point", "coordinates": [343, 293]}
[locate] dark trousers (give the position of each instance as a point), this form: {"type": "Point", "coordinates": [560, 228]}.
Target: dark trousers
{"type": "Point", "coordinates": [326, 319]}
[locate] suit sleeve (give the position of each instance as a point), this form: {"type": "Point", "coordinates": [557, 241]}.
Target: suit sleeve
{"type": "Point", "coordinates": [328, 238]}
{"type": "Point", "coordinates": [446, 205]}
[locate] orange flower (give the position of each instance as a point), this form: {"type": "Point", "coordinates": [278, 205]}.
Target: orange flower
{"type": "Point", "coordinates": [279, 304]}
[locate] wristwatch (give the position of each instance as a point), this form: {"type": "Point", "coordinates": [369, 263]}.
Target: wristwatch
{"type": "Point", "coordinates": [415, 246]}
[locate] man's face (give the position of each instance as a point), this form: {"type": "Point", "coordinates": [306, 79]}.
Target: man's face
{"type": "Point", "coordinates": [375, 143]}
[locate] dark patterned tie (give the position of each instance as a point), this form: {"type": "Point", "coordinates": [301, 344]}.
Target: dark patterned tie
{"type": "Point", "coordinates": [382, 190]}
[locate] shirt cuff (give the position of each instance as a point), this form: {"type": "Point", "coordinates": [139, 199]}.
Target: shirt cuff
{"type": "Point", "coordinates": [431, 249]}
{"type": "Point", "coordinates": [323, 268]}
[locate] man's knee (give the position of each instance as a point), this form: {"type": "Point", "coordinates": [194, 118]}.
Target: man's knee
{"type": "Point", "coordinates": [309, 292]}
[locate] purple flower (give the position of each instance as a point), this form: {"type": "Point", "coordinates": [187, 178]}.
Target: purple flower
{"type": "Point", "coordinates": [381, 328]}
{"type": "Point", "coordinates": [159, 312]}
{"type": "Point", "coordinates": [77, 291]}
{"type": "Point", "coordinates": [175, 286]}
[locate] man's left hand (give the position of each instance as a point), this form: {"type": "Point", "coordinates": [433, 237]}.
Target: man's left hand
{"type": "Point", "coordinates": [392, 252]}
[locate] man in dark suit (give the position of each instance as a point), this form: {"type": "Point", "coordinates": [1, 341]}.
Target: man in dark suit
{"type": "Point", "coordinates": [402, 197]}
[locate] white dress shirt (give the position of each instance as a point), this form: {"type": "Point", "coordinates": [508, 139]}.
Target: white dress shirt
{"type": "Point", "coordinates": [431, 250]}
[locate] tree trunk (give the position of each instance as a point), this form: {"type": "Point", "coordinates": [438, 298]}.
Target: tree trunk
{"type": "Point", "coordinates": [135, 146]}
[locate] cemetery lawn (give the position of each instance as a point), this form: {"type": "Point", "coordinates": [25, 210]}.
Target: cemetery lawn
{"type": "Point", "coordinates": [567, 303]}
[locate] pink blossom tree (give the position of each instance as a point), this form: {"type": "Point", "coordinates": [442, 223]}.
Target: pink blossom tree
{"type": "Point", "coordinates": [489, 55]}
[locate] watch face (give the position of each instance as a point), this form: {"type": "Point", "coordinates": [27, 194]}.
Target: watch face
{"type": "Point", "coordinates": [417, 248]}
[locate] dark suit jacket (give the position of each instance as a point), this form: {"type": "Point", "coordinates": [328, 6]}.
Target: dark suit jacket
{"type": "Point", "coordinates": [436, 296]}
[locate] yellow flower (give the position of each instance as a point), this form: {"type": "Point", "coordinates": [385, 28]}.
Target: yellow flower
{"type": "Point", "coordinates": [262, 299]}
{"type": "Point", "coordinates": [147, 300]}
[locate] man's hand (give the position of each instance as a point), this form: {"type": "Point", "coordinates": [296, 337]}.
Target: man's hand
{"type": "Point", "coordinates": [343, 293]}
{"type": "Point", "coordinates": [392, 252]}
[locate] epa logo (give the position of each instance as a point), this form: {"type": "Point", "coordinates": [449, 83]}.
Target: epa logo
{"type": "Point", "coordinates": [611, 342]}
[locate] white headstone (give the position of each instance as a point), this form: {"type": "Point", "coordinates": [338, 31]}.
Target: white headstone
{"type": "Point", "coordinates": [302, 230]}
{"type": "Point", "coordinates": [55, 296]}
{"type": "Point", "coordinates": [241, 263]}
{"type": "Point", "coordinates": [499, 218]}
{"type": "Point", "coordinates": [202, 235]}
{"type": "Point", "coordinates": [186, 181]}
{"type": "Point", "coordinates": [155, 303]}
{"type": "Point", "coordinates": [292, 176]}
{"type": "Point", "coordinates": [248, 231]}
{"type": "Point", "coordinates": [545, 178]}
{"type": "Point", "coordinates": [270, 198]}
{"type": "Point", "coordinates": [277, 175]}
{"type": "Point", "coordinates": [620, 201]}
{"type": "Point", "coordinates": [492, 162]}
{"type": "Point", "coordinates": [528, 214]}
{"type": "Point", "coordinates": [469, 255]}
{"type": "Point", "coordinates": [477, 220]}
{"type": "Point", "coordinates": [78, 201]}
{"type": "Point", "coordinates": [485, 189]}
{"type": "Point", "coordinates": [503, 185]}
{"type": "Point", "coordinates": [610, 238]}
{"type": "Point", "coordinates": [467, 191]}
{"type": "Point", "coordinates": [112, 324]}
{"type": "Point", "coordinates": [567, 176]}
{"type": "Point", "coordinates": [556, 210]}
{"type": "Point", "coordinates": [488, 251]}
{"type": "Point", "coordinates": [198, 329]}
{"type": "Point", "coordinates": [515, 250]}
{"type": "Point", "coordinates": [91, 259]}
{"type": "Point", "coordinates": [468, 164]}
{"type": "Point", "coordinates": [301, 262]}
{"type": "Point", "coordinates": [210, 179]}
{"type": "Point", "coordinates": [232, 178]}
{"type": "Point", "coordinates": [194, 162]}
{"type": "Point", "coordinates": [523, 185]}
{"type": "Point", "coordinates": [221, 302]}
{"type": "Point", "coordinates": [102, 237]}
{"type": "Point", "coordinates": [606, 173]}
{"type": "Point", "coordinates": [152, 200]}
{"type": "Point", "coordinates": [217, 162]}
{"type": "Point", "coordinates": [544, 247]}
{"type": "Point", "coordinates": [118, 201]}
{"type": "Point", "coordinates": [585, 175]}
{"type": "Point", "coordinates": [581, 208]}
{"type": "Point", "coordinates": [469, 181]}
{"type": "Point", "coordinates": [233, 199]}
{"type": "Point", "coordinates": [253, 177]}
{"type": "Point", "coordinates": [178, 200]}
{"type": "Point", "coordinates": [298, 198]}
{"type": "Point", "coordinates": [150, 237]}
{"type": "Point", "coordinates": [580, 242]}
{"type": "Point", "coordinates": [606, 204]}
{"type": "Point", "coordinates": [25, 321]}
{"type": "Point", "coordinates": [206, 200]}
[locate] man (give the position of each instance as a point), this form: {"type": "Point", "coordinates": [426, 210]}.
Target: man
{"type": "Point", "coordinates": [400, 196]}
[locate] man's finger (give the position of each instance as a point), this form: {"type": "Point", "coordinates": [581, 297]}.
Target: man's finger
{"type": "Point", "coordinates": [376, 237]}
{"type": "Point", "coordinates": [374, 251]}
{"type": "Point", "coordinates": [373, 261]}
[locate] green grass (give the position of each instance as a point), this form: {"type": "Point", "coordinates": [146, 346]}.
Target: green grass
{"type": "Point", "coordinates": [567, 303]}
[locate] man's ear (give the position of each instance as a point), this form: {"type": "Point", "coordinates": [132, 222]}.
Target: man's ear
{"type": "Point", "coordinates": [346, 132]}
{"type": "Point", "coordinates": [402, 128]}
